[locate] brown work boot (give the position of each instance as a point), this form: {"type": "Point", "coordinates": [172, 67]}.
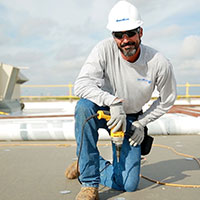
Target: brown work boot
{"type": "Point", "coordinates": [71, 171]}
{"type": "Point", "coordinates": [88, 193]}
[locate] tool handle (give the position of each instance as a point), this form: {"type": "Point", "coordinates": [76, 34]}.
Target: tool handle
{"type": "Point", "coordinates": [103, 114]}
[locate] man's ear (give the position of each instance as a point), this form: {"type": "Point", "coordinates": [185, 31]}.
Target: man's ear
{"type": "Point", "coordinates": [141, 32]}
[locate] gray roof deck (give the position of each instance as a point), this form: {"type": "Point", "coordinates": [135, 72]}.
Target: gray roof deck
{"type": "Point", "coordinates": [34, 170]}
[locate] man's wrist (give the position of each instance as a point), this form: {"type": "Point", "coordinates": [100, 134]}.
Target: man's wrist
{"type": "Point", "coordinates": [117, 101]}
{"type": "Point", "coordinates": [142, 122]}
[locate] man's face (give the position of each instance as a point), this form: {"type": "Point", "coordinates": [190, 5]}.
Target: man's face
{"type": "Point", "coordinates": [128, 41]}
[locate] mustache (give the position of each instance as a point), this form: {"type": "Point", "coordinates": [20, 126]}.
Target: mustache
{"type": "Point", "coordinates": [127, 44]}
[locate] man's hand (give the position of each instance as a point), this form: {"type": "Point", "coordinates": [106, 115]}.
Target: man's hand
{"type": "Point", "coordinates": [137, 134]}
{"type": "Point", "coordinates": [118, 118]}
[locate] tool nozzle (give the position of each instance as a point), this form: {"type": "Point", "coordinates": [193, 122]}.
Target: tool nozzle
{"type": "Point", "coordinates": [118, 145]}
{"type": "Point", "coordinates": [118, 150]}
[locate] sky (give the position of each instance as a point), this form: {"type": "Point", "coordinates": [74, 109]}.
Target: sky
{"type": "Point", "coordinates": [51, 39]}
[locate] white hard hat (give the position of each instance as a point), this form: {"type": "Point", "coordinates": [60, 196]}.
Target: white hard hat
{"type": "Point", "coordinates": [123, 17]}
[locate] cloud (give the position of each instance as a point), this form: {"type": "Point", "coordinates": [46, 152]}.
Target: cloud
{"type": "Point", "coordinates": [164, 32]}
{"type": "Point", "coordinates": [69, 51]}
{"type": "Point", "coordinates": [4, 39]}
{"type": "Point", "coordinates": [54, 38]}
{"type": "Point", "coordinates": [37, 27]}
{"type": "Point", "coordinates": [161, 37]}
{"type": "Point", "coordinates": [191, 65]}
{"type": "Point", "coordinates": [156, 12]}
{"type": "Point", "coordinates": [187, 62]}
{"type": "Point", "coordinates": [191, 47]}
{"type": "Point", "coordinates": [187, 71]}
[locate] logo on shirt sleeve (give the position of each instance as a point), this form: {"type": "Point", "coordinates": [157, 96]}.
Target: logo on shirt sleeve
{"type": "Point", "coordinates": [144, 80]}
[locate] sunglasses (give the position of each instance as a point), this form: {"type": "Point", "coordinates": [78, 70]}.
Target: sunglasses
{"type": "Point", "coordinates": [131, 33]}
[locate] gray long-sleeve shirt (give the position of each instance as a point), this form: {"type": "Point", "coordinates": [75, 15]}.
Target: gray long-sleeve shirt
{"type": "Point", "coordinates": [106, 75]}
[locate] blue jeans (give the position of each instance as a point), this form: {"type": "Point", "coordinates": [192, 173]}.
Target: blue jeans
{"type": "Point", "coordinates": [122, 175]}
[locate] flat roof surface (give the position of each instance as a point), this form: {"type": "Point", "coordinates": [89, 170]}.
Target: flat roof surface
{"type": "Point", "coordinates": [35, 170]}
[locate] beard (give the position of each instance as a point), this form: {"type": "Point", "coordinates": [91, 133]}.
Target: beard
{"type": "Point", "coordinates": [129, 49]}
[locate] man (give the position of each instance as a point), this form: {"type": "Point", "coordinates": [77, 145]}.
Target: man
{"type": "Point", "coordinates": [119, 75]}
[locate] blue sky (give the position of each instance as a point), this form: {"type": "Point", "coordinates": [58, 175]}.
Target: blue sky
{"type": "Point", "coordinates": [54, 37]}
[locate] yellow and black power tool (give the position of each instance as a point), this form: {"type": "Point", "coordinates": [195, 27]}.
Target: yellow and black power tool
{"type": "Point", "coordinates": [116, 137]}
